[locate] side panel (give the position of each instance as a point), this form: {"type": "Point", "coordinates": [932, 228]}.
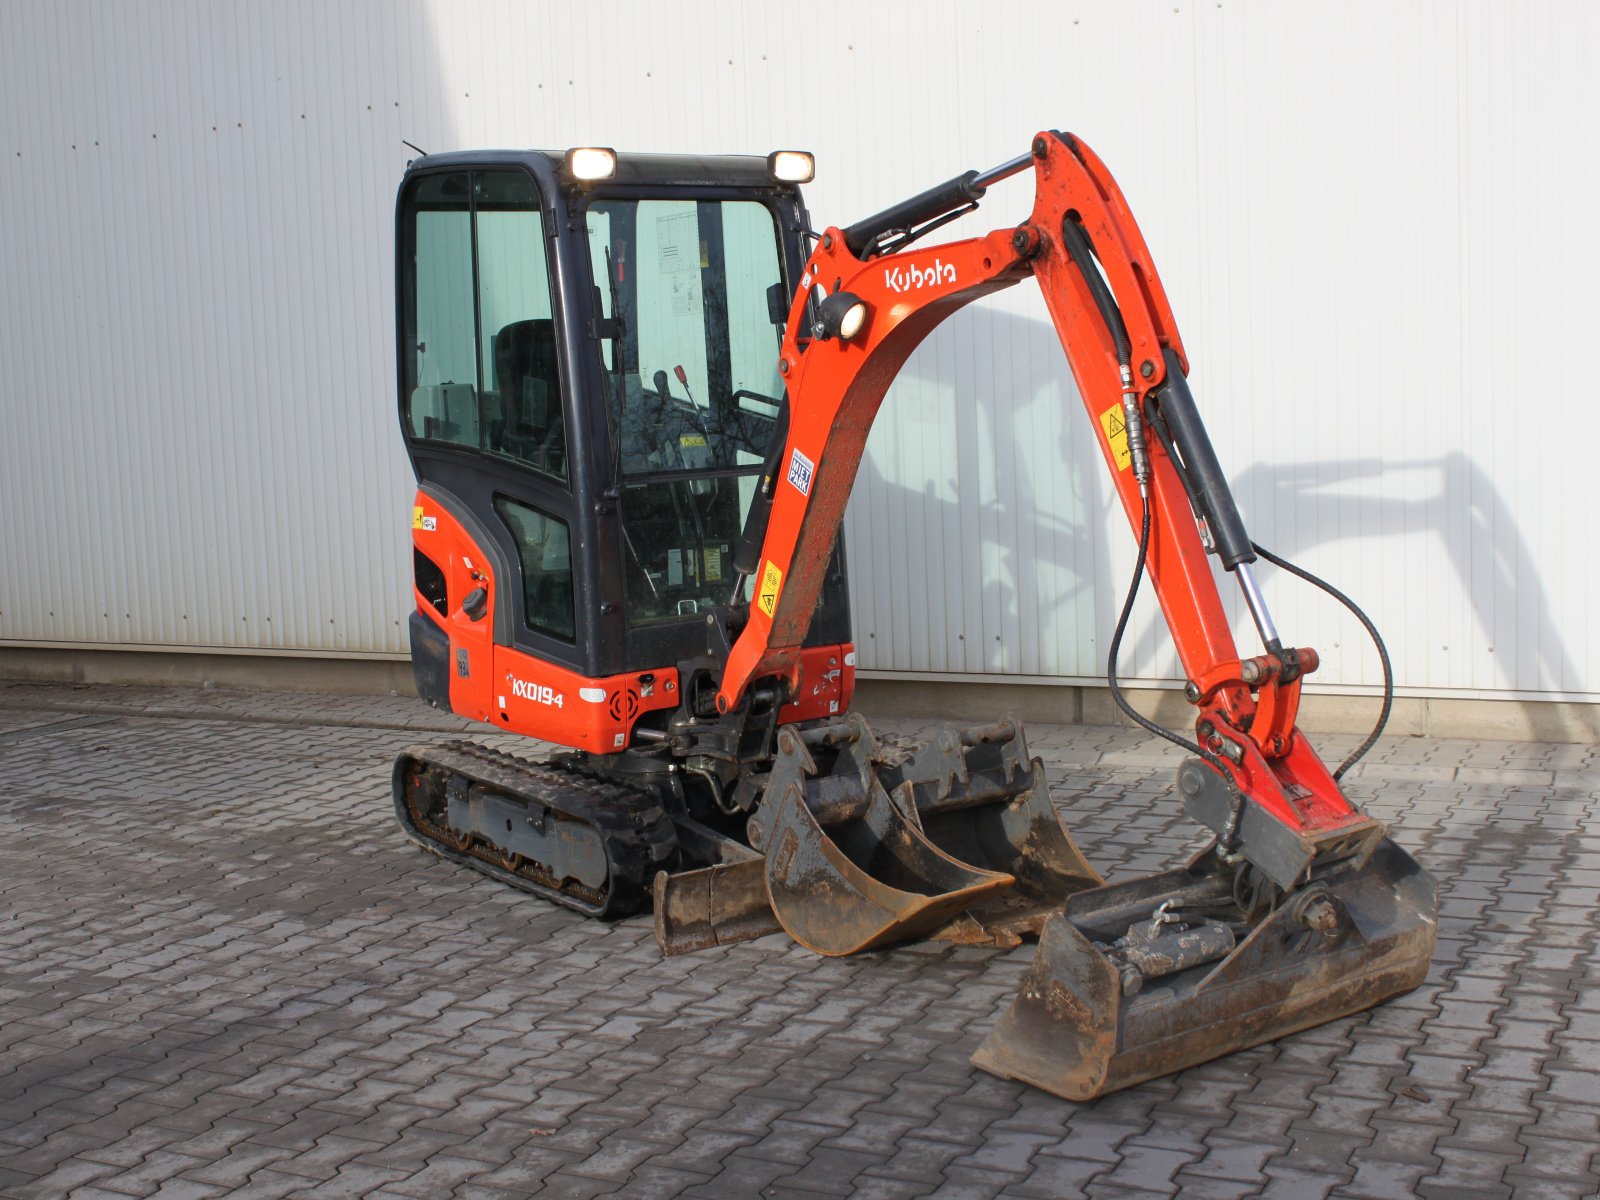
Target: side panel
{"type": "Point", "coordinates": [544, 700]}
{"type": "Point", "coordinates": [490, 680]}
{"type": "Point", "coordinates": [443, 540]}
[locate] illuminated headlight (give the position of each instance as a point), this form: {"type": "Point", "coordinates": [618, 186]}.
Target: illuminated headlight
{"type": "Point", "coordinates": [591, 163]}
{"type": "Point", "coordinates": [792, 166]}
{"type": "Point", "coordinates": [841, 315]}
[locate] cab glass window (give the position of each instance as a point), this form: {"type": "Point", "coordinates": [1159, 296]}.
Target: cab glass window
{"type": "Point", "coordinates": [693, 304]}
{"type": "Point", "coordinates": [480, 365]}
{"type": "Point", "coordinates": [546, 559]}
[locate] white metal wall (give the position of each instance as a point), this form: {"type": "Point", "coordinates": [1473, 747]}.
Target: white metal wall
{"type": "Point", "coordinates": [1371, 219]}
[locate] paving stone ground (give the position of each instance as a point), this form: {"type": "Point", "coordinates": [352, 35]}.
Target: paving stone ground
{"type": "Point", "coordinates": [223, 972]}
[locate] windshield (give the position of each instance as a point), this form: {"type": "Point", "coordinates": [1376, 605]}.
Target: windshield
{"type": "Point", "coordinates": [692, 305]}
{"type": "Point", "coordinates": [694, 358]}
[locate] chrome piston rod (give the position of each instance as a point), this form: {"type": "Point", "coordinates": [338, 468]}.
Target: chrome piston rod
{"type": "Point", "coordinates": [1257, 604]}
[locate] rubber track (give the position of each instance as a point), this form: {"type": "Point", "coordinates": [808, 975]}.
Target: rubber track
{"type": "Point", "coordinates": [635, 830]}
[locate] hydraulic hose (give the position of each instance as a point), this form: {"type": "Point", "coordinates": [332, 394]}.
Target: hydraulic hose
{"type": "Point", "coordinates": [1081, 250]}
{"type": "Point", "coordinates": [1077, 244]}
{"type": "Point", "coordinates": [1377, 640]}
{"type": "Point", "coordinates": [1078, 247]}
{"type": "Point", "coordinates": [1133, 714]}
{"type": "Point", "coordinates": [1196, 503]}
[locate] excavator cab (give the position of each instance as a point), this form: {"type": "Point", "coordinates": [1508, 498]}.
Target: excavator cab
{"type": "Point", "coordinates": [589, 388]}
{"type": "Point", "coordinates": [636, 390]}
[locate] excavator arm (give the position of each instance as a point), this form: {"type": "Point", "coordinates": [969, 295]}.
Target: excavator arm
{"type": "Point", "coordinates": [1301, 910]}
{"type": "Point", "coordinates": [1264, 788]}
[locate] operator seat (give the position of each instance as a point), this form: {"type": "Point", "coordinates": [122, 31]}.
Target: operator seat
{"type": "Point", "coordinates": [529, 385]}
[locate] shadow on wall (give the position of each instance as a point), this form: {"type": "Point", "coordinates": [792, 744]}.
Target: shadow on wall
{"type": "Point", "coordinates": [1023, 600]}
{"type": "Point", "coordinates": [1022, 354]}
{"type": "Point", "coordinates": [1490, 560]}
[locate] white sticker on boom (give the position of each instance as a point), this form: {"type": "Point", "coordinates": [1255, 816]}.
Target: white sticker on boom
{"type": "Point", "coordinates": [801, 469]}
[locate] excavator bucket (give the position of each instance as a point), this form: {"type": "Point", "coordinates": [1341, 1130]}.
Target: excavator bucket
{"type": "Point", "coordinates": [847, 870]}
{"type": "Point", "coordinates": [981, 799]}
{"type": "Point", "coordinates": [1140, 979]}
{"type": "Point", "coordinates": [866, 845]}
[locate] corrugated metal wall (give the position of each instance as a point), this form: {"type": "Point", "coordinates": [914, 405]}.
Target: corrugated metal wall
{"type": "Point", "coordinates": [1371, 219]}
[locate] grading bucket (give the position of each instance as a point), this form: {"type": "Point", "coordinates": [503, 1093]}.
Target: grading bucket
{"type": "Point", "coordinates": [1140, 979]}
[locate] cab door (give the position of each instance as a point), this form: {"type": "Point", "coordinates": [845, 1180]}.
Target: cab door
{"type": "Point", "coordinates": [486, 416]}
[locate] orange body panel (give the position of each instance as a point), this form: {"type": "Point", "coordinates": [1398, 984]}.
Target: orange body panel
{"type": "Point", "coordinates": [512, 690]}
{"type": "Point", "coordinates": [516, 691]}
{"type": "Point", "coordinates": [827, 684]}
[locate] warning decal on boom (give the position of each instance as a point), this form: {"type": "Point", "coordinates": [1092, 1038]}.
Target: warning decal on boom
{"type": "Point", "coordinates": [1117, 436]}
{"type": "Point", "coordinates": [771, 581]}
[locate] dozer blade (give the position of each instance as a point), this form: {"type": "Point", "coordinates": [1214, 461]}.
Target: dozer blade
{"type": "Point", "coordinates": [716, 905]}
{"type": "Point", "coordinates": [1140, 979]}
{"type": "Point", "coordinates": [724, 902]}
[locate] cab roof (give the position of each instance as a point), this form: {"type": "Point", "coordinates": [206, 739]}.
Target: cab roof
{"type": "Point", "coordinates": [715, 170]}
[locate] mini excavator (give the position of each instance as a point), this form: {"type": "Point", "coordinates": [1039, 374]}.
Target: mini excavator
{"type": "Point", "coordinates": [636, 390]}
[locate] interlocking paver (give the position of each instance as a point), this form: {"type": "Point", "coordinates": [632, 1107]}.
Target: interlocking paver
{"type": "Point", "coordinates": [273, 994]}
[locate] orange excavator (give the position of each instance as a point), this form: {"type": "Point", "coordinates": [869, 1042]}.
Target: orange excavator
{"type": "Point", "coordinates": [636, 390]}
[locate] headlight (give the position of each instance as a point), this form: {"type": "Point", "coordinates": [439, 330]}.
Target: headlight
{"type": "Point", "coordinates": [792, 166]}
{"type": "Point", "coordinates": [841, 315]}
{"type": "Point", "coordinates": [591, 163]}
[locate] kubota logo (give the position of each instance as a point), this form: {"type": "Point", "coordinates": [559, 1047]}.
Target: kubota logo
{"type": "Point", "coordinates": [903, 279]}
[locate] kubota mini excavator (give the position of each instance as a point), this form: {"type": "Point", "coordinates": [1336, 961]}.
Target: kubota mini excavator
{"type": "Point", "coordinates": [636, 390]}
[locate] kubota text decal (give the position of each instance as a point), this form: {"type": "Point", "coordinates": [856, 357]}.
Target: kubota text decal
{"type": "Point", "coordinates": [903, 279]}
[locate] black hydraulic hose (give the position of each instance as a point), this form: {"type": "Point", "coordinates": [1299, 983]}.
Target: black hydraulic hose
{"type": "Point", "coordinates": [1134, 715]}
{"type": "Point", "coordinates": [1165, 437]}
{"type": "Point", "coordinates": [1377, 640]}
{"type": "Point", "coordinates": [1081, 250]}
{"type": "Point", "coordinates": [1158, 422]}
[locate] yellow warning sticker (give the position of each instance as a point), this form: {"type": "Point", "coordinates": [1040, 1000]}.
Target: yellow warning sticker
{"type": "Point", "coordinates": [714, 564]}
{"type": "Point", "coordinates": [691, 439]}
{"type": "Point", "coordinates": [1117, 436]}
{"type": "Point", "coordinates": [771, 581]}
{"type": "Point", "coordinates": [416, 517]}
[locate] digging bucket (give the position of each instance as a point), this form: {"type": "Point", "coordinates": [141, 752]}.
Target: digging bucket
{"type": "Point", "coordinates": [846, 869]}
{"type": "Point", "coordinates": [981, 799]}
